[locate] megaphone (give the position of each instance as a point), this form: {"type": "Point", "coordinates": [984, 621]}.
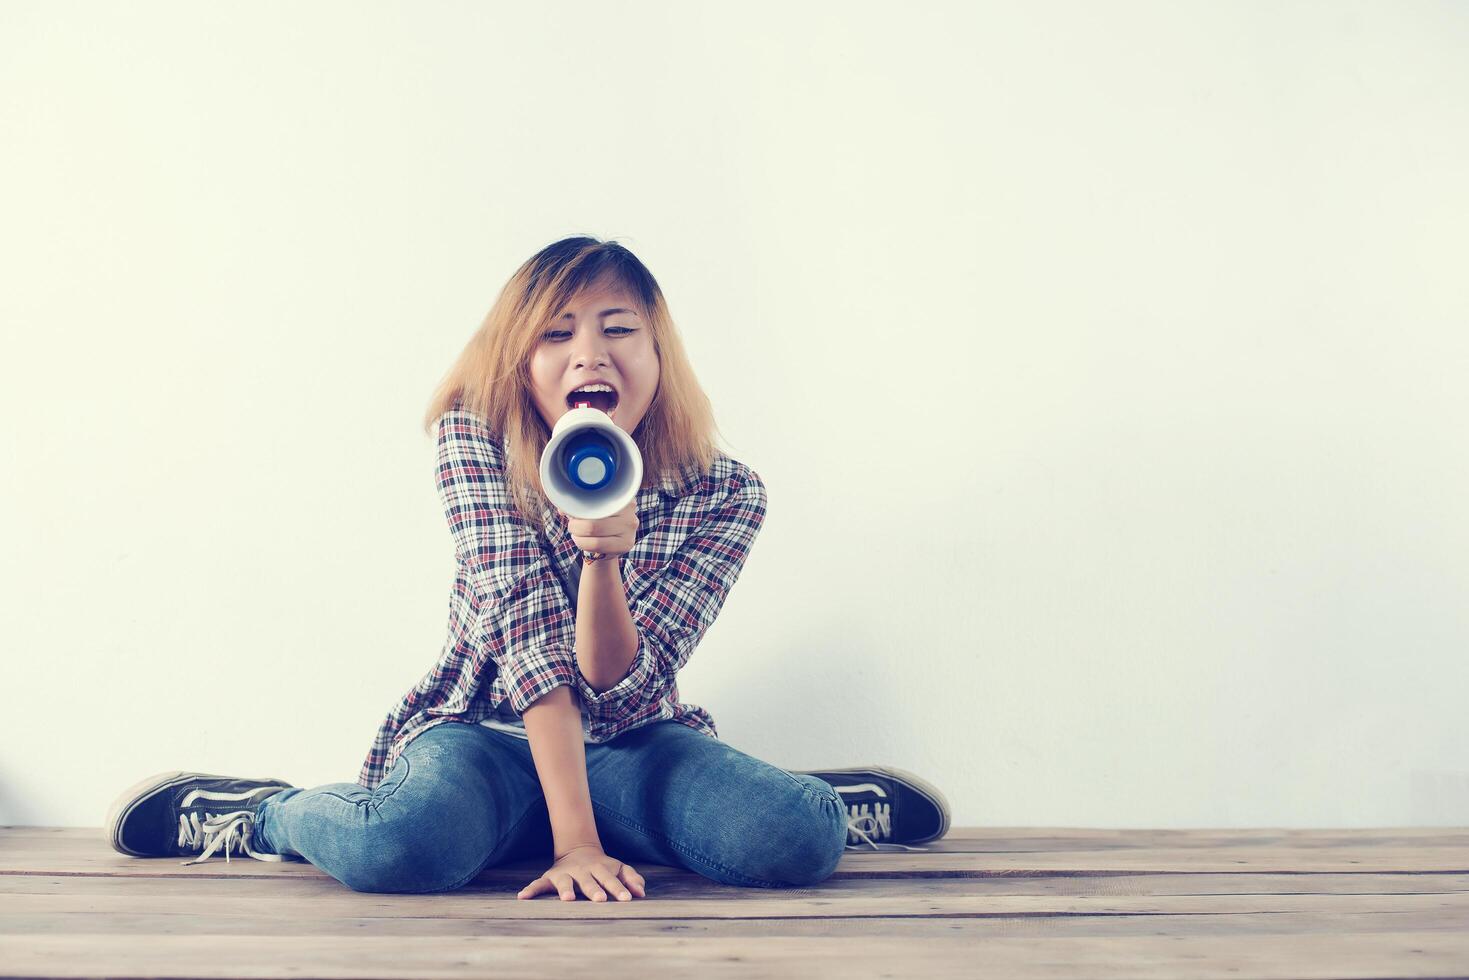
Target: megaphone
{"type": "Point", "coordinates": [590, 469]}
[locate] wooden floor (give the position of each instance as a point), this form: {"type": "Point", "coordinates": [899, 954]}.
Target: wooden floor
{"type": "Point", "coordinates": [991, 902]}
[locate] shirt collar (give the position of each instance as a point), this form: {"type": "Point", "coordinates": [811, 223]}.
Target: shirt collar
{"type": "Point", "coordinates": [678, 483]}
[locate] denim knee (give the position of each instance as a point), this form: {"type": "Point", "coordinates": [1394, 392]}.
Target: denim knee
{"type": "Point", "coordinates": [413, 864]}
{"type": "Point", "coordinates": [828, 840]}
{"type": "Point", "coordinates": [815, 841]}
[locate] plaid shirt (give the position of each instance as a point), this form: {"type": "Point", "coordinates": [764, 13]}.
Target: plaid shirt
{"type": "Point", "coordinates": [512, 630]}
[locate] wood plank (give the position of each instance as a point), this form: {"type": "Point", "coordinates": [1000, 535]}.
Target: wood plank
{"type": "Point", "coordinates": [1021, 902]}
{"type": "Point", "coordinates": [75, 850]}
{"type": "Point", "coordinates": [976, 928]}
{"type": "Point", "coordinates": [1307, 957]}
{"type": "Point", "coordinates": [688, 884]}
{"type": "Point", "coordinates": [478, 903]}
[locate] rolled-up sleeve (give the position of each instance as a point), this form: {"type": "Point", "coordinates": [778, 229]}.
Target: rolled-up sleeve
{"type": "Point", "coordinates": [673, 615]}
{"type": "Point", "coordinates": [522, 616]}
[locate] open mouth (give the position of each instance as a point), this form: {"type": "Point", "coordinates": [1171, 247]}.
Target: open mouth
{"type": "Point", "coordinates": [603, 401]}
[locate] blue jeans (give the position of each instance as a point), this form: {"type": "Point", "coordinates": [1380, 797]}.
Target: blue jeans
{"type": "Point", "coordinates": [463, 797]}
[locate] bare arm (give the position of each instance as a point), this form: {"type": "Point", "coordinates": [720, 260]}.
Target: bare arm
{"type": "Point", "coordinates": [605, 642]}
{"type": "Point", "coordinates": [553, 721]}
{"type": "Point", "coordinates": [553, 724]}
{"type": "Point", "coordinates": [606, 638]}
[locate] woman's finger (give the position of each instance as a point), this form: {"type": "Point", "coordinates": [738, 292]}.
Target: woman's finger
{"type": "Point", "coordinates": [614, 887]}
{"type": "Point", "coordinates": [533, 889]}
{"type": "Point", "coordinates": [590, 888]}
{"type": "Point", "coordinates": [634, 881]}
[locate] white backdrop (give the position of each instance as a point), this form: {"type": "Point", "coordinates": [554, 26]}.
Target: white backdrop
{"type": "Point", "coordinates": [1105, 365]}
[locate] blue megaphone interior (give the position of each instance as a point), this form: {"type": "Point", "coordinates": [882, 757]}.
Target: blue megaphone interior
{"type": "Point", "coordinates": [590, 459]}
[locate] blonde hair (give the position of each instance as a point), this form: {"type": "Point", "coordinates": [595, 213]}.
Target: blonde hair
{"type": "Point", "coordinates": [491, 376]}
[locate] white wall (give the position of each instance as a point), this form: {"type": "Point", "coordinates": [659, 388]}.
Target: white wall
{"type": "Point", "coordinates": [1105, 365]}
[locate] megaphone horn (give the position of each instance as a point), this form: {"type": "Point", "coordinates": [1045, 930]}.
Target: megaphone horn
{"type": "Point", "coordinates": [590, 469]}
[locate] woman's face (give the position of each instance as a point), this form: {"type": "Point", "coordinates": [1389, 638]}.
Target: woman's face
{"type": "Point", "coordinates": [598, 337]}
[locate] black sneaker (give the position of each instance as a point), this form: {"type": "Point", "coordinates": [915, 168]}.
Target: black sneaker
{"type": "Point", "coordinates": [887, 809]}
{"type": "Point", "coordinates": [176, 813]}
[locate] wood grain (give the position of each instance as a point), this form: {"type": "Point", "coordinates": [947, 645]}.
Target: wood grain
{"type": "Point", "coordinates": [982, 902]}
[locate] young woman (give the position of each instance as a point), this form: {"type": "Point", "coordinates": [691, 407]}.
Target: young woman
{"type": "Point", "coordinates": [551, 724]}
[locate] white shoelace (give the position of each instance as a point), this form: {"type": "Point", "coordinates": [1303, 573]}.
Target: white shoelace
{"type": "Point", "coordinates": [864, 819]}
{"type": "Point", "coordinates": [220, 829]}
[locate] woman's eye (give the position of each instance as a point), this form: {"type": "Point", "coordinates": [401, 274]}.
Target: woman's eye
{"type": "Point", "coordinates": [554, 334]}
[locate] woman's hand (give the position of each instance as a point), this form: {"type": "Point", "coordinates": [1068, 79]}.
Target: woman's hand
{"type": "Point", "coordinates": [590, 868]}
{"type": "Point", "coordinates": [613, 535]}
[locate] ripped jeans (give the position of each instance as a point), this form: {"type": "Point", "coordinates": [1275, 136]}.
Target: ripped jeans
{"type": "Point", "coordinates": [463, 797]}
